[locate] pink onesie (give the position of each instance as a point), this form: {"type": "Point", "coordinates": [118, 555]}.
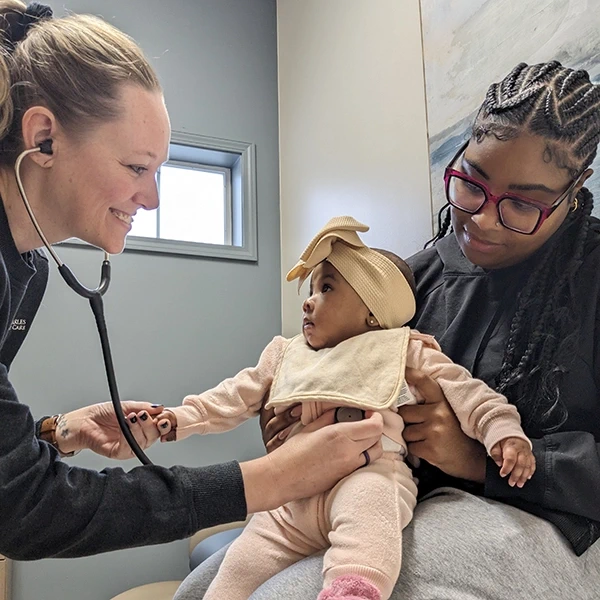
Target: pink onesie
{"type": "Point", "coordinates": [360, 520]}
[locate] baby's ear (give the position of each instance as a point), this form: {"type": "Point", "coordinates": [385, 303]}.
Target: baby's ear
{"type": "Point", "coordinates": [372, 320]}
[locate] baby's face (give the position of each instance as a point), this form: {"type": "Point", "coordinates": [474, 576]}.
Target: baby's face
{"type": "Point", "coordinates": [333, 312]}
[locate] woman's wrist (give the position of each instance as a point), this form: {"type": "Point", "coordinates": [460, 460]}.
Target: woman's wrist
{"type": "Point", "coordinates": [68, 439]}
{"type": "Point", "coordinates": [57, 431]}
{"type": "Point", "coordinates": [262, 487]}
{"type": "Point", "coordinates": [477, 465]}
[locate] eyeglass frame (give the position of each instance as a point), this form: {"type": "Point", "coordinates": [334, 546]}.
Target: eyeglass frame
{"type": "Point", "coordinates": [545, 211]}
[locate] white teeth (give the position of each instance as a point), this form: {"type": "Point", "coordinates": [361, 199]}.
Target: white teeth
{"type": "Point", "coordinates": [122, 216]}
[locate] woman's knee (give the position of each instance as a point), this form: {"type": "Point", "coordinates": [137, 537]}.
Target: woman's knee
{"type": "Point", "coordinates": [196, 583]}
{"type": "Point", "coordinates": [461, 547]}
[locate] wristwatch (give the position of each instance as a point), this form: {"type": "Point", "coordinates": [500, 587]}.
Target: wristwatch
{"type": "Point", "coordinates": [48, 434]}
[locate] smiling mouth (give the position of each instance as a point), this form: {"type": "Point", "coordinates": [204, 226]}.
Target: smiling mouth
{"type": "Point", "coordinates": [472, 239]}
{"type": "Point", "coordinates": [122, 216]}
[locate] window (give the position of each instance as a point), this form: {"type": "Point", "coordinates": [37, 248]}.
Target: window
{"type": "Point", "coordinates": [195, 205]}
{"type": "Point", "coordinates": [207, 201]}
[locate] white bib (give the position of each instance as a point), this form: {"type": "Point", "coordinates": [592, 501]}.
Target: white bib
{"type": "Point", "coordinates": [365, 371]}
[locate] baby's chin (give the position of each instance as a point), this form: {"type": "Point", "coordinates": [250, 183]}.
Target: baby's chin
{"type": "Point", "coordinates": [310, 342]}
{"type": "Point", "coordinates": [313, 341]}
{"type": "Point", "coordinates": [318, 344]}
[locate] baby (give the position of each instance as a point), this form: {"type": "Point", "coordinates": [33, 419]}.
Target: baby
{"type": "Point", "coordinates": [351, 357]}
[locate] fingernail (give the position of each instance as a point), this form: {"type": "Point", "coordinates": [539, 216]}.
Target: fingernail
{"type": "Point", "coordinates": [296, 411]}
{"type": "Point", "coordinates": [282, 435]}
{"type": "Point", "coordinates": [157, 405]}
{"type": "Point", "coordinates": [133, 419]}
{"type": "Point", "coordinates": [144, 416]}
{"type": "Point", "coordinates": [165, 424]}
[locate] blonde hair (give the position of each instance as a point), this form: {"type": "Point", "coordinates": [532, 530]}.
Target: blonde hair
{"type": "Point", "coordinates": [75, 66]}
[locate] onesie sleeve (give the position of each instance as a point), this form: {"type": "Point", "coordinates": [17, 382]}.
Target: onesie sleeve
{"type": "Point", "coordinates": [234, 400]}
{"type": "Point", "coordinates": [484, 414]}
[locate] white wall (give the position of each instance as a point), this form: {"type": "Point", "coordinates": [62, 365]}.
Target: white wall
{"type": "Point", "coordinates": [352, 126]}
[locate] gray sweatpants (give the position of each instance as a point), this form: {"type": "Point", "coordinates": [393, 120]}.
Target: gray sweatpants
{"type": "Point", "coordinates": [458, 547]}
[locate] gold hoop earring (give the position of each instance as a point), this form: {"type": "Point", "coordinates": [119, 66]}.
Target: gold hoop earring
{"type": "Point", "coordinates": [575, 205]}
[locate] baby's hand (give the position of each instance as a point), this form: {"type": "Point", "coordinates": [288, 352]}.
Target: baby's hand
{"type": "Point", "coordinates": [513, 455]}
{"type": "Point", "coordinates": [166, 423]}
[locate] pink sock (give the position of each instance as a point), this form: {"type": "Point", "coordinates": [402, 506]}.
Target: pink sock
{"type": "Point", "coordinates": [350, 587]}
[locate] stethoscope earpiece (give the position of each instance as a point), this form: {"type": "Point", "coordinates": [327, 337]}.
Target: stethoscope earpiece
{"type": "Point", "coordinates": [46, 146]}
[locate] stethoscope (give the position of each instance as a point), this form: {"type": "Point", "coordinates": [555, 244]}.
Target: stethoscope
{"type": "Point", "coordinates": [95, 298]}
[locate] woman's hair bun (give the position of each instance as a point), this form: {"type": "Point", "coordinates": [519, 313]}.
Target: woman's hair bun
{"type": "Point", "coordinates": [18, 23]}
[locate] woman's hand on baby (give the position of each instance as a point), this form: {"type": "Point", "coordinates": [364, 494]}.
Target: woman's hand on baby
{"type": "Point", "coordinates": [96, 428]}
{"type": "Point", "coordinates": [163, 425]}
{"type": "Point", "coordinates": [433, 433]}
{"type": "Point", "coordinates": [314, 460]}
{"type": "Point", "coordinates": [514, 456]}
{"type": "Point", "coordinates": [276, 428]}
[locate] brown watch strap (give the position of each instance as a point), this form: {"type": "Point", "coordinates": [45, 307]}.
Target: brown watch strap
{"type": "Point", "coordinates": [48, 433]}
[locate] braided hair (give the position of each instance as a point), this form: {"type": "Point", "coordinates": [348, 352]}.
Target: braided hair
{"type": "Point", "coordinates": [444, 217]}
{"type": "Point", "coordinates": [562, 106]}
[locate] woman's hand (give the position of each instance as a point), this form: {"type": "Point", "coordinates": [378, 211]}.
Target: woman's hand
{"type": "Point", "coordinates": [433, 432]}
{"type": "Point", "coordinates": [276, 428]}
{"type": "Point", "coordinates": [95, 427]}
{"type": "Point", "coordinates": [312, 461]}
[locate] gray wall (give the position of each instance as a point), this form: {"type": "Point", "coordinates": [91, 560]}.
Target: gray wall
{"type": "Point", "coordinates": [177, 325]}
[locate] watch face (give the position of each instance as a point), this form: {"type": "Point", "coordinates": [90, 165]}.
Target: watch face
{"type": "Point", "coordinates": [345, 414]}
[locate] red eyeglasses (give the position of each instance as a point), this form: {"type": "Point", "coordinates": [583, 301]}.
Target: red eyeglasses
{"type": "Point", "coordinates": [516, 213]}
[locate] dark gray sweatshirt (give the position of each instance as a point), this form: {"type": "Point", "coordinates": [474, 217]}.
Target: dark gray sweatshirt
{"type": "Point", "coordinates": [469, 310]}
{"type": "Point", "coordinates": [50, 509]}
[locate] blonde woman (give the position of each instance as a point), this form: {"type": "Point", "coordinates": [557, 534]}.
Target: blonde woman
{"type": "Point", "coordinates": [83, 89]}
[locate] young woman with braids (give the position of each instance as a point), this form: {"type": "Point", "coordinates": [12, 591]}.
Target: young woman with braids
{"type": "Point", "coordinates": [510, 287]}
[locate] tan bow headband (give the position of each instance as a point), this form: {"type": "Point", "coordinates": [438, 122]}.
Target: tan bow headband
{"type": "Point", "coordinates": [375, 278]}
